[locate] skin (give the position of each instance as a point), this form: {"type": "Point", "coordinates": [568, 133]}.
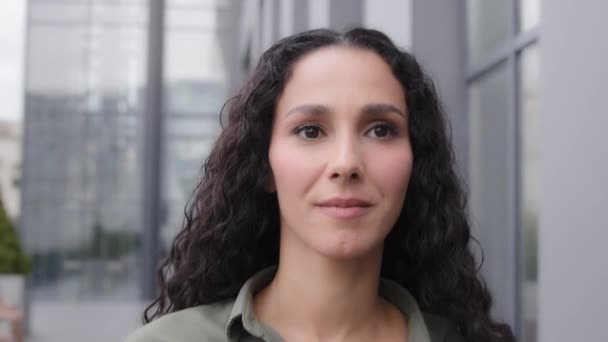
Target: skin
{"type": "Point", "coordinates": [340, 130]}
{"type": "Point", "coordinates": [15, 319]}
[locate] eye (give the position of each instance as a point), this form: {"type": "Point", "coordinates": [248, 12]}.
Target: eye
{"type": "Point", "coordinates": [309, 131]}
{"type": "Point", "coordinates": [382, 131]}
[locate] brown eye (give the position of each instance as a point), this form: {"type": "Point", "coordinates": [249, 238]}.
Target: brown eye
{"type": "Point", "coordinates": [309, 131]}
{"type": "Point", "coordinates": [382, 131]}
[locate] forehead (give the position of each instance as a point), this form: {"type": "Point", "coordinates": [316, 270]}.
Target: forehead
{"type": "Point", "coordinates": [335, 75]}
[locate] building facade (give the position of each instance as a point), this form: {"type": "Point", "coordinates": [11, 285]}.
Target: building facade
{"type": "Point", "coordinates": [83, 107]}
{"type": "Point", "coordinates": [528, 140]}
{"type": "Point", "coordinates": [491, 61]}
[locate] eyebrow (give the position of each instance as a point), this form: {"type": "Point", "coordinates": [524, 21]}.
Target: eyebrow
{"type": "Point", "coordinates": [373, 109]}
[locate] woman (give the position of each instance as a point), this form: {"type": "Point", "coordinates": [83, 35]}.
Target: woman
{"type": "Point", "coordinates": [329, 210]}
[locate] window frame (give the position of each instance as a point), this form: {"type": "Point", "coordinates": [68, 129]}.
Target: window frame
{"type": "Point", "coordinates": [508, 55]}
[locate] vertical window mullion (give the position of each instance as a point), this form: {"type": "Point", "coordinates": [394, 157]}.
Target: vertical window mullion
{"type": "Point", "coordinates": [514, 100]}
{"type": "Point", "coordinates": [514, 179]}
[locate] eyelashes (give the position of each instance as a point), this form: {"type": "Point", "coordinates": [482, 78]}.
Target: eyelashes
{"type": "Point", "coordinates": [383, 130]}
{"type": "Point", "coordinates": [380, 130]}
{"type": "Point", "coordinates": [309, 131]}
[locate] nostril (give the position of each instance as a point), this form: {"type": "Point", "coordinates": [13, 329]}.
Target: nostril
{"type": "Point", "coordinates": [351, 176]}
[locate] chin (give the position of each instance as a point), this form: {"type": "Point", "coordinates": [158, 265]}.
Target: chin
{"type": "Point", "coordinates": [344, 247]}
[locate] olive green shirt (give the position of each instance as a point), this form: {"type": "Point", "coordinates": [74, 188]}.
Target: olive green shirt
{"type": "Point", "coordinates": [234, 320]}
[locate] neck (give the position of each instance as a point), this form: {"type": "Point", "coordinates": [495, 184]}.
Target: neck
{"type": "Point", "coordinates": [316, 297]}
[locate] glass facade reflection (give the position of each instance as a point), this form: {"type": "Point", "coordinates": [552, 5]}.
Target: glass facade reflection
{"type": "Point", "coordinates": [83, 132]}
{"type": "Point", "coordinates": [81, 193]}
{"type": "Point", "coordinates": [194, 94]}
{"type": "Point", "coordinates": [84, 112]}
{"type": "Point", "coordinates": [504, 152]}
{"type": "Point", "coordinates": [84, 122]}
{"type": "Point", "coordinates": [489, 181]}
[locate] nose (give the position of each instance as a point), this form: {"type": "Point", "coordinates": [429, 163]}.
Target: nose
{"type": "Point", "coordinates": [346, 163]}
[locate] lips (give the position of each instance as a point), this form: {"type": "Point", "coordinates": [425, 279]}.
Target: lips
{"type": "Point", "coordinates": [344, 208]}
{"type": "Point", "coordinates": [344, 203]}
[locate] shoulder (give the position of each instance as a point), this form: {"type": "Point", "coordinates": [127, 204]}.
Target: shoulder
{"type": "Point", "coordinates": [204, 323]}
{"type": "Point", "coordinates": [441, 329]}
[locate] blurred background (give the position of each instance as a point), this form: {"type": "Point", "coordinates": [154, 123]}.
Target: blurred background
{"type": "Point", "coordinates": [109, 108]}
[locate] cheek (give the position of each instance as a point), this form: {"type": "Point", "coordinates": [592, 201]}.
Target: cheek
{"type": "Point", "coordinates": [293, 171]}
{"type": "Point", "coordinates": [391, 170]}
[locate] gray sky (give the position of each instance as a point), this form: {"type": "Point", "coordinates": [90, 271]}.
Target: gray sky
{"type": "Point", "coordinates": [12, 37]}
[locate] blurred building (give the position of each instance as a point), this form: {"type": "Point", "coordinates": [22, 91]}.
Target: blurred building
{"type": "Point", "coordinates": [81, 194]}
{"type": "Point", "coordinates": [262, 23]}
{"type": "Point", "coordinates": [486, 59]}
{"type": "Point", "coordinates": [84, 128]}
{"type": "Point", "coordinates": [85, 122]}
{"type": "Point", "coordinates": [192, 125]}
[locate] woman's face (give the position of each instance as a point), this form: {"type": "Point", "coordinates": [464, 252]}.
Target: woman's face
{"type": "Point", "coordinates": [340, 152]}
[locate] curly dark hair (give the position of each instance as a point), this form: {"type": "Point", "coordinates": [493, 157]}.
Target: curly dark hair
{"type": "Point", "coordinates": [231, 226]}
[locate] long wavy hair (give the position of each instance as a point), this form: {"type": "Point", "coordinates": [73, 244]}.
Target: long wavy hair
{"type": "Point", "coordinates": [231, 226]}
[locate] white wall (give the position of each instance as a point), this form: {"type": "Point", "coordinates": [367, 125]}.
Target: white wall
{"type": "Point", "coordinates": [574, 196]}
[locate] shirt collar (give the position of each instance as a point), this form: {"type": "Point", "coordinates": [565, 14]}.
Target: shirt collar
{"type": "Point", "coordinates": [242, 317]}
{"type": "Point", "coordinates": [405, 302]}
{"type": "Point", "coordinates": [243, 320]}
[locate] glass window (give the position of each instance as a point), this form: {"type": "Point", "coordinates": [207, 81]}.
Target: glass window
{"type": "Point", "coordinates": [195, 90]}
{"type": "Point", "coordinates": [85, 77]}
{"type": "Point", "coordinates": [193, 127]}
{"type": "Point", "coordinates": [191, 18]}
{"type": "Point", "coordinates": [82, 12]}
{"type": "Point", "coordinates": [195, 97]}
{"type": "Point", "coordinates": [488, 26]}
{"type": "Point", "coordinates": [201, 3]}
{"type": "Point", "coordinates": [530, 121]}
{"type": "Point", "coordinates": [45, 58]}
{"type": "Point", "coordinates": [490, 170]}
{"type": "Point", "coordinates": [57, 12]}
{"type": "Point", "coordinates": [529, 14]}
{"type": "Point", "coordinates": [119, 13]}
{"type": "Point", "coordinates": [182, 171]}
{"type": "Point", "coordinates": [208, 4]}
{"type": "Point", "coordinates": [193, 55]}
{"type": "Point", "coordinates": [493, 169]}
